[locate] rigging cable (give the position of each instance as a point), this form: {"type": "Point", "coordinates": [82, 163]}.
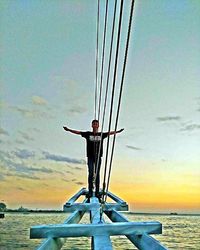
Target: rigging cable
{"type": "Point", "coordinates": [96, 162]}
{"type": "Point", "coordinates": [121, 88]}
{"type": "Point", "coordinates": [107, 84]}
{"type": "Point", "coordinates": [96, 76]}
{"type": "Point", "coordinates": [113, 92]}
{"type": "Point", "coordinates": [103, 53]}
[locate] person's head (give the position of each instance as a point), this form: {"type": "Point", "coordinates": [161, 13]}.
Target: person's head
{"type": "Point", "coordinates": [95, 125]}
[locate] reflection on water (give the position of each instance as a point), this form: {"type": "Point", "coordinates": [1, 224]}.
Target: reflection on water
{"type": "Point", "coordinates": [179, 232]}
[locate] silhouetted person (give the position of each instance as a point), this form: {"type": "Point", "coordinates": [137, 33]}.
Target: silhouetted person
{"type": "Point", "coordinates": [93, 142]}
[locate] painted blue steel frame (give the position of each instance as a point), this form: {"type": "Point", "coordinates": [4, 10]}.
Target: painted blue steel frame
{"type": "Point", "coordinates": [98, 230]}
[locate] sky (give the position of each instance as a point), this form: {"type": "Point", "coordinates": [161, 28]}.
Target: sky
{"type": "Point", "coordinates": [47, 79]}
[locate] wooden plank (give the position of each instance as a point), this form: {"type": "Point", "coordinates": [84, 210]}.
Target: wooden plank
{"type": "Point", "coordinates": [146, 242]}
{"type": "Point", "coordinates": [87, 230]}
{"type": "Point", "coordinates": [52, 244]}
{"type": "Point", "coordinates": [99, 242]}
{"type": "Point", "coordinates": [82, 191]}
{"type": "Point", "coordinates": [81, 207]}
{"type": "Point", "coordinates": [95, 210]}
{"type": "Point", "coordinates": [116, 198]}
{"type": "Point", "coordinates": [142, 242]}
{"type": "Point", "coordinates": [90, 206]}
{"type": "Point", "coordinates": [115, 206]}
{"type": "Point", "coordinates": [57, 243]}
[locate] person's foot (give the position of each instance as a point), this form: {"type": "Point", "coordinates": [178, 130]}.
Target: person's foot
{"type": "Point", "coordinates": [89, 194]}
{"type": "Point", "coordinates": [98, 195]}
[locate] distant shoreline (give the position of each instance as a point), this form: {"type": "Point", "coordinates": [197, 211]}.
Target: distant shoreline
{"type": "Point", "coordinates": [154, 213]}
{"type": "Point", "coordinates": [126, 212]}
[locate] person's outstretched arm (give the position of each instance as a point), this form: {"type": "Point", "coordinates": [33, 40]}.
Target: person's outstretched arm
{"type": "Point", "coordinates": [72, 130]}
{"type": "Point", "coordinates": [116, 132]}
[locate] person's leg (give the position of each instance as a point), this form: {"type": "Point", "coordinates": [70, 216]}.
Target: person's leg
{"type": "Point", "coordinates": [97, 170]}
{"type": "Point", "coordinates": [90, 175]}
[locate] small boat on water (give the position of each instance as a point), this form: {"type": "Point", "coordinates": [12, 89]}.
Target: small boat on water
{"type": "Point", "coordinates": [2, 216]}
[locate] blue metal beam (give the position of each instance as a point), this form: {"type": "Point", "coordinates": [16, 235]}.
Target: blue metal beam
{"type": "Point", "coordinates": [143, 241]}
{"type": "Point", "coordinates": [88, 230]}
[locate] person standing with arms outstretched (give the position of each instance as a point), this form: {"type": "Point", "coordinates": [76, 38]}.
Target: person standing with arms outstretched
{"type": "Point", "coordinates": [94, 146]}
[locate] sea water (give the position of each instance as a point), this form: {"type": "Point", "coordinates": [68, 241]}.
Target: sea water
{"type": "Point", "coordinates": [179, 232]}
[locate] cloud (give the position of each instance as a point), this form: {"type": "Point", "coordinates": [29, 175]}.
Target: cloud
{"type": "Point", "coordinates": [21, 189]}
{"type": "Point", "coordinates": [3, 132]}
{"type": "Point", "coordinates": [21, 167]}
{"type": "Point", "coordinates": [60, 158]}
{"type": "Point", "coordinates": [10, 163]}
{"type": "Point", "coordinates": [24, 154]}
{"type": "Point", "coordinates": [132, 147]}
{"type": "Point", "coordinates": [76, 109]}
{"type": "Point", "coordinates": [79, 183]}
{"type": "Point", "coordinates": [168, 118]}
{"type": "Point", "coordinates": [25, 112]}
{"type": "Point", "coordinates": [21, 175]}
{"type": "Point", "coordinates": [42, 170]}
{"type": "Point", "coordinates": [19, 142]}
{"type": "Point", "coordinates": [78, 168]}
{"type": "Point", "coordinates": [69, 172]}
{"type": "Point", "coordinates": [76, 181]}
{"type": "Point", "coordinates": [23, 171]}
{"type": "Point", "coordinates": [26, 136]}
{"type": "Point", "coordinates": [25, 176]}
{"type": "Point", "coordinates": [4, 154]}
{"type": "Point", "coordinates": [191, 127]}
{"type": "Point", "coordinates": [37, 100]}
{"type": "Point", "coordinates": [17, 164]}
{"type": "Point", "coordinates": [31, 113]}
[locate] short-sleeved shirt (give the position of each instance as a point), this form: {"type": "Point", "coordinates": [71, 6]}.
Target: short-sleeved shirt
{"type": "Point", "coordinates": [93, 143]}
